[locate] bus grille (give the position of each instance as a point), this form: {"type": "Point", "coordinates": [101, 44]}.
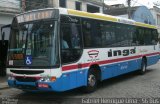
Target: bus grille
{"type": "Point", "coordinates": [26, 79]}
{"type": "Point", "coordinates": [27, 72]}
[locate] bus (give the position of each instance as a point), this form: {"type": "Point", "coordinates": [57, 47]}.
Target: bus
{"type": "Point", "coordinates": [62, 49]}
{"type": "Point", "coordinates": [4, 38]}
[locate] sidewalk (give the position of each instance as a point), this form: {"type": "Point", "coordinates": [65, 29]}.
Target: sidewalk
{"type": "Point", "coordinates": [3, 83]}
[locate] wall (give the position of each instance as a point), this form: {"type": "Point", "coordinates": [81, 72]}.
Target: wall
{"type": "Point", "coordinates": [71, 4]}
{"type": "Point", "coordinates": [156, 14]}
{"type": "Point", "coordinates": [10, 4]}
{"type": "Point", "coordinates": [143, 14]}
{"type": "Point", "coordinates": [6, 19]}
{"type": "Point", "coordinates": [8, 8]}
{"type": "Point", "coordinates": [55, 3]}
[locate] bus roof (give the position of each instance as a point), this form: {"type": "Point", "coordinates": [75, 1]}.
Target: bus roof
{"type": "Point", "coordinates": [109, 18]}
{"type": "Point", "coordinates": [98, 16]}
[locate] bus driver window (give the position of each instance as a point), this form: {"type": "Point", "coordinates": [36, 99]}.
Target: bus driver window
{"type": "Point", "coordinates": [64, 43]}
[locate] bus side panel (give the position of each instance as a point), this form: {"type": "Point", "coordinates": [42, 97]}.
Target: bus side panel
{"type": "Point", "coordinates": [66, 82]}
{"type": "Point", "coordinates": [126, 67]}
{"type": "Point", "coordinates": [152, 60]}
{"type": "Point", "coordinates": [135, 64]}
{"type": "Point", "coordinates": [82, 77]}
{"type": "Point", "coordinates": [123, 67]}
{"type": "Point", "coordinates": [69, 81]}
{"type": "Point", "coordinates": [108, 71]}
{"type": "Point", "coordinates": [113, 70]}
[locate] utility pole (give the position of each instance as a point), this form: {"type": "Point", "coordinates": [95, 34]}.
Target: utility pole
{"type": "Point", "coordinates": [103, 6]}
{"type": "Point", "coordinates": [23, 5]}
{"type": "Point", "coordinates": [129, 8]}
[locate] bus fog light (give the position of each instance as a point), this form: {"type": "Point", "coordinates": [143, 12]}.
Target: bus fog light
{"type": "Point", "coordinates": [47, 79]}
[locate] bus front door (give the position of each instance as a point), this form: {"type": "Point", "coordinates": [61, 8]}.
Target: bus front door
{"type": "Point", "coordinates": [5, 32]}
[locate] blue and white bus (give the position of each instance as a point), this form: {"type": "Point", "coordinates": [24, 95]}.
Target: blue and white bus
{"type": "Point", "coordinates": [62, 49]}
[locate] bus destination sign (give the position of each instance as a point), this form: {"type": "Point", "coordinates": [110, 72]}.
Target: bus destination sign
{"type": "Point", "coordinates": [37, 15]}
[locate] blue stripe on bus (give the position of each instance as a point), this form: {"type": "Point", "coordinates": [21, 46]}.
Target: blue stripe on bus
{"type": "Point", "coordinates": [152, 60]}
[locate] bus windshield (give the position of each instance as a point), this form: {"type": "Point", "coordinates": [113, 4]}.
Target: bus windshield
{"type": "Point", "coordinates": [33, 44]}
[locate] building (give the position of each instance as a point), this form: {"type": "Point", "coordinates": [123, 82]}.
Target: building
{"type": "Point", "coordinates": [8, 9]}
{"type": "Point", "coordinates": [156, 14]}
{"type": "Point", "coordinates": [138, 13]}
{"type": "Point", "coordinates": [83, 5]}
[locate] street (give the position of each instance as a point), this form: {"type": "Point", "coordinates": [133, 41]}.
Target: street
{"type": "Point", "coordinates": [131, 85]}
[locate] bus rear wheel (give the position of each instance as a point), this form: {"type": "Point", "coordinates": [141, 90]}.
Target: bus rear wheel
{"type": "Point", "coordinates": [91, 81]}
{"type": "Point", "coordinates": [143, 67]}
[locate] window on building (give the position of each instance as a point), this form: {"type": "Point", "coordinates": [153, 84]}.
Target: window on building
{"type": "Point", "coordinates": [36, 4]}
{"type": "Point", "coordinates": [93, 9]}
{"type": "Point", "coordinates": [62, 3]}
{"type": "Point", "coordinates": [158, 20]}
{"type": "Point", "coordinates": [78, 5]}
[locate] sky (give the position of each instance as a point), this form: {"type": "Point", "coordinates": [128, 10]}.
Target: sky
{"type": "Point", "coordinates": [148, 3]}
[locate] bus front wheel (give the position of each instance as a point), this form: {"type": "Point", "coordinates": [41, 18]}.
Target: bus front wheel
{"type": "Point", "coordinates": [91, 81]}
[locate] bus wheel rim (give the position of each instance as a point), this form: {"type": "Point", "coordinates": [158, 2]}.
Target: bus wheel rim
{"type": "Point", "coordinates": [144, 68]}
{"type": "Point", "coordinates": [92, 80]}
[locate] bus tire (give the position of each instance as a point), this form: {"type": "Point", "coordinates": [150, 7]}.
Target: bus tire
{"type": "Point", "coordinates": [91, 81]}
{"type": "Point", "coordinates": [143, 66]}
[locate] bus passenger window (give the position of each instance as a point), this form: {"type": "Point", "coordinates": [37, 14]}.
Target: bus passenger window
{"type": "Point", "coordinates": [75, 38]}
{"type": "Point", "coordinates": [140, 35]}
{"type": "Point", "coordinates": [154, 37]}
{"type": "Point", "coordinates": [87, 33]}
{"type": "Point", "coordinates": [108, 34]}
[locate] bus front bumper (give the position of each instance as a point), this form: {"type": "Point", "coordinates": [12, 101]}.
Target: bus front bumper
{"type": "Point", "coordinates": [67, 81]}
{"type": "Point", "coordinates": [36, 86]}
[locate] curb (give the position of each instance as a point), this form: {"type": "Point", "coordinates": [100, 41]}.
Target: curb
{"type": "Point", "coordinates": [4, 86]}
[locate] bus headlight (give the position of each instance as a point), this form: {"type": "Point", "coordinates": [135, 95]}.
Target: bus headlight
{"type": "Point", "coordinates": [47, 79]}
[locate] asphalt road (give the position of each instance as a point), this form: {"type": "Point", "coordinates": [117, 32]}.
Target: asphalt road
{"type": "Point", "coordinates": [131, 85]}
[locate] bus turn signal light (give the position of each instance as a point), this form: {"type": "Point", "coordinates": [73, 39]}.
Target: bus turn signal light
{"type": "Point", "coordinates": [52, 79]}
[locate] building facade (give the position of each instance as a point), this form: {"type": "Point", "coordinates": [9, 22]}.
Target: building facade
{"type": "Point", "coordinates": [8, 9]}
{"type": "Point", "coordinates": [156, 14]}
{"type": "Point", "coordinates": [138, 13]}
{"type": "Point", "coordinates": [83, 5]}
